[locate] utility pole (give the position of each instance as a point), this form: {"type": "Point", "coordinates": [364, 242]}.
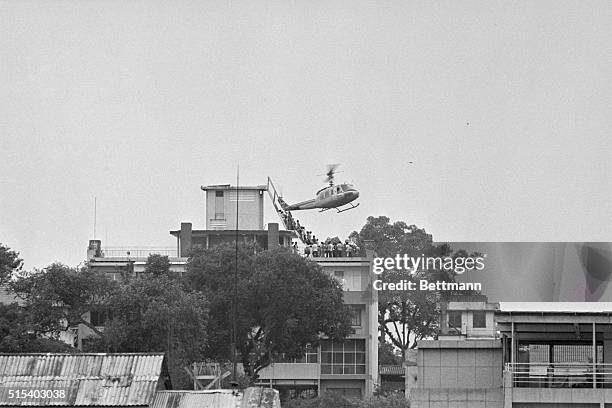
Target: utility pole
{"type": "Point", "coordinates": [235, 300]}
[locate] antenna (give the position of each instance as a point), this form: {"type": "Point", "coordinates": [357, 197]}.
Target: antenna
{"type": "Point", "coordinates": [95, 216]}
{"type": "Point", "coordinates": [235, 300]}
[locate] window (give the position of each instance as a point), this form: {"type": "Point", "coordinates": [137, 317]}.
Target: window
{"type": "Point", "coordinates": [311, 355]}
{"type": "Point", "coordinates": [355, 315]}
{"type": "Point", "coordinates": [479, 319]}
{"type": "Point", "coordinates": [347, 357]}
{"type": "Point", "coordinates": [219, 212]}
{"type": "Point", "coordinates": [454, 320]}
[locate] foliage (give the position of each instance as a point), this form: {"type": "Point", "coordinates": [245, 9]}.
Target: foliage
{"type": "Point", "coordinates": [156, 314]}
{"type": "Point", "coordinates": [284, 302]}
{"type": "Point", "coordinates": [331, 399]}
{"type": "Point", "coordinates": [9, 263]}
{"type": "Point", "coordinates": [58, 297]}
{"type": "Point", "coordinates": [405, 316]}
{"type": "Point", "coordinates": [153, 313]}
{"type": "Point", "coordinates": [327, 400]}
{"type": "Point", "coordinates": [20, 334]}
{"type": "Point", "coordinates": [393, 400]}
{"type": "Point", "coordinates": [387, 354]}
{"type": "Point", "coordinates": [157, 265]}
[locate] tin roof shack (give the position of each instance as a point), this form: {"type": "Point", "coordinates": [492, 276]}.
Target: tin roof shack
{"type": "Point", "coordinates": [252, 397]}
{"type": "Point", "coordinates": [83, 380]}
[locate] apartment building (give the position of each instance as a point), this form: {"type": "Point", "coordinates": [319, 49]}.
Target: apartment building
{"type": "Point", "coordinates": [518, 355]}
{"type": "Point", "coordinates": [350, 367]}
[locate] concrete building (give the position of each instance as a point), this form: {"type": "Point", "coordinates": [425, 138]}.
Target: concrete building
{"type": "Point", "coordinates": [463, 368]}
{"type": "Point", "coordinates": [221, 200]}
{"type": "Point", "coordinates": [349, 368]}
{"type": "Point", "coordinates": [187, 238]}
{"type": "Point", "coordinates": [556, 354]}
{"type": "Point", "coordinates": [539, 354]}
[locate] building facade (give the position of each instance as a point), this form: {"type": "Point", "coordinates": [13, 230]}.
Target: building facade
{"type": "Point", "coordinates": [349, 368]}
{"type": "Point", "coordinates": [224, 202]}
{"type": "Point", "coordinates": [536, 355]}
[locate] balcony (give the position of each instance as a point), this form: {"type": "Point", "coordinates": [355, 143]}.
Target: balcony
{"type": "Point", "coordinates": [560, 375]}
{"type": "Point", "coordinates": [557, 383]}
{"type": "Point", "coordinates": [138, 252]}
{"type": "Point", "coordinates": [293, 371]}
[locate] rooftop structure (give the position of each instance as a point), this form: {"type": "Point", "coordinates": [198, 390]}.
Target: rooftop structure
{"type": "Point", "coordinates": [252, 397]}
{"type": "Point", "coordinates": [223, 200]}
{"type": "Point", "coordinates": [187, 238]}
{"type": "Point", "coordinates": [548, 354]}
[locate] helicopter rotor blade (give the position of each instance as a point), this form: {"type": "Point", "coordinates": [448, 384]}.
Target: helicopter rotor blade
{"type": "Point", "coordinates": [331, 170]}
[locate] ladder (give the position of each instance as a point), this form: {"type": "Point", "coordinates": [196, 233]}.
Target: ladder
{"type": "Point", "coordinates": [274, 196]}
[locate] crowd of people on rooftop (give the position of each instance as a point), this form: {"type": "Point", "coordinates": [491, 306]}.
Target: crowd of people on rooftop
{"type": "Point", "coordinates": [330, 248]}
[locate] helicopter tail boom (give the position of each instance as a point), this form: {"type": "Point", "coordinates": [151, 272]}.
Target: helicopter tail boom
{"type": "Point", "coordinates": [303, 205]}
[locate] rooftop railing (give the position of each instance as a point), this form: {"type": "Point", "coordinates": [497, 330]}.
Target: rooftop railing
{"type": "Point", "coordinates": [138, 252]}
{"type": "Point", "coordinates": [561, 375]}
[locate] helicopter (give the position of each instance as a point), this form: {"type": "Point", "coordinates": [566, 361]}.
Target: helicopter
{"type": "Point", "coordinates": [334, 196]}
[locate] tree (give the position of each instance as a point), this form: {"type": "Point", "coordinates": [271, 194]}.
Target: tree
{"type": "Point", "coordinates": [284, 303]}
{"type": "Point", "coordinates": [157, 314]}
{"type": "Point", "coordinates": [21, 334]}
{"type": "Point", "coordinates": [387, 354]}
{"type": "Point", "coordinates": [58, 297]}
{"type": "Point", "coordinates": [9, 263]}
{"type": "Point", "coordinates": [157, 265]}
{"type": "Point", "coordinates": [405, 316]}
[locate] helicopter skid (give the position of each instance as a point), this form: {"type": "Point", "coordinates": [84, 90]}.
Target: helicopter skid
{"type": "Point", "coordinates": [341, 210]}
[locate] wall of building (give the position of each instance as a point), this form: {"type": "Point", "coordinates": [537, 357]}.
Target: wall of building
{"type": "Point", "coordinates": [464, 364]}
{"type": "Point", "coordinates": [457, 398]}
{"type": "Point", "coordinates": [223, 217]}
{"type": "Point", "coordinates": [354, 275]}
{"type": "Point", "coordinates": [348, 388]}
{"type": "Point", "coordinates": [356, 278]}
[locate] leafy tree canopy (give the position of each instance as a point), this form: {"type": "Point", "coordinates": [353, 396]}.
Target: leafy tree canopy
{"type": "Point", "coordinates": [157, 314]}
{"type": "Point", "coordinates": [157, 265]}
{"type": "Point", "coordinates": [59, 296]}
{"type": "Point", "coordinates": [20, 334]}
{"type": "Point", "coordinates": [387, 354]}
{"type": "Point", "coordinates": [284, 302]}
{"type": "Point", "coordinates": [9, 263]}
{"type": "Point", "coordinates": [405, 317]}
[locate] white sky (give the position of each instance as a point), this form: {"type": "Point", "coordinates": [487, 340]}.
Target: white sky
{"type": "Point", "coordinates": [504, 107]}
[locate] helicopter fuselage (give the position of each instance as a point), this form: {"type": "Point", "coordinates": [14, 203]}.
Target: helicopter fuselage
{"type": "Point", "coordinates": [332, 196]}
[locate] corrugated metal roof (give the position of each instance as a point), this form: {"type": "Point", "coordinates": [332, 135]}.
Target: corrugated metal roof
{"type": "Point", "coordinates": [87, 379]}
{"type": "Point", "coordinates": [252, 397]}
{"type": "Point", "coordinates": [197, 399]}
